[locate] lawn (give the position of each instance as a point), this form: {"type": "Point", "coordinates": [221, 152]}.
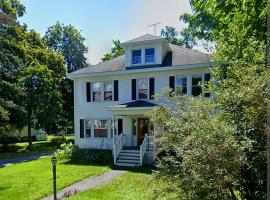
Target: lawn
{"type": "Point", "coordinates": [132, 185]}
{"type": "Point", "coordinates": [20, 148]}
{"type": "Point", "coordinates": [32, 180]}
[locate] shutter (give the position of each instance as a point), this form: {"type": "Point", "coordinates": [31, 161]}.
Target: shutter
{"type": "Point", "coordinates": [120, 126]}
{"type": "Point", "coordinates": [88, 91]}
{"type": "Point", "coordinates": [151, 88]}
{"type": "Point", "coordinates": [133, 89]}
{"type": "Point", "coordinates": [81, 128]}
{"type": "Point", "coordinates": [172, 82]}
{"type": "Point", "coordinates": [115, 90]}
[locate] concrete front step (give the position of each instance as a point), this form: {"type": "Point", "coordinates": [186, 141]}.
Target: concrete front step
{"type": "Point", "coordinates": [128, 161]}
{"type": "Point", "coordinates": [130, 151]}
{"type": "Point", "coordinates": [129, 154]}
{"type": "Point", "coordinates": [129, 157]}
{"type": "Point", "coordinates": [127, 164]}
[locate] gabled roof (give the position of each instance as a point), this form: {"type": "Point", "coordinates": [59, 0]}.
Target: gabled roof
{"type": "Point", "coordinates": [144, 38]}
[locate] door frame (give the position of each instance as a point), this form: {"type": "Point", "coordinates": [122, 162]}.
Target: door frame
{"type": "Point", "coordinates": [137, 127]}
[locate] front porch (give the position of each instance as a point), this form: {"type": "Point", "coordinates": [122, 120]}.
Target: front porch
{"type": "Point", "coordinates": [133, 134]}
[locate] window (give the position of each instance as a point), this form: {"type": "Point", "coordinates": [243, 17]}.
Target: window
{"type": "Point", "coordinates": [88, 128]}
{"type": "Point", "coordinates": [149, 55]}
{"type": "Point", "coordinates": [100, 128]}
{"type": "Point", "coordinates": [196, 88]}
{"type": "Point", "coordinates": [181, 84]}
{"type": "Point", "coordinates": [108, 91]}
{"type": "Point", "coordinates": [97, 91]}
{"type": "Point", "coordinates": [142, 88]}
{"type": "Point", "coordinates": [136, 57]}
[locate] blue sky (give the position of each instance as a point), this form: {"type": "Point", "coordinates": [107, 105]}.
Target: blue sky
{"type": "Point", "coordinates": [101, 21]}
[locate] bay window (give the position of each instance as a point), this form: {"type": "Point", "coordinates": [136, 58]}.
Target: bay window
{"type": "Point", "coordinates": [97, 91]}
{"type": "Point", "coordinates": [101, 128]}
{"type": "Point", "coordinates": [108, 91]}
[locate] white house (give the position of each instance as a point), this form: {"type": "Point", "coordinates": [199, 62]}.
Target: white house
{"type": "Point", "coordinates": [111, 98]}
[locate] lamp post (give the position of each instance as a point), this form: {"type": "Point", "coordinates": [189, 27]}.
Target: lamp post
{"type": "Point", "coordinates": [54, 161]}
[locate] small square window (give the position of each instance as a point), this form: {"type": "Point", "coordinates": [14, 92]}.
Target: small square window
{"type": "Point", "coordinates": [136, 57]}
{"type": "Point", "coordinates": [150, 55]}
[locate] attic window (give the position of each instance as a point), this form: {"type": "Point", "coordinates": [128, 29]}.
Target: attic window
{"type": "Point", "coordinates": [149, 55]}
{"type": "Point", "coordinates": [136, 56]}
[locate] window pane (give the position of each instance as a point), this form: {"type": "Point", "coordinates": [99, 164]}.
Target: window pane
{"type": "Point", "coordinates": [100, 128]}
{"type": "Point", "coordinates": [136, 56]}
{"type": "Point", "coordinates": [96, 96]}
{"type": "Point", "coordinates": [142, 94]}
{"type": "Point", "coordinates": [108, 86]}
{"type": "Point", "coordinates": [88, 128]}
{"type": "Point", "coordinates": [108, 96]}
{"type": "Point", "coordinates": [181, 84]}
{"type": "Point", "coordinates": [97, 87]}
{"type": "Point", "coordinates": [149, 55]}
{"type": "Point", "coordinates": [196, 88]}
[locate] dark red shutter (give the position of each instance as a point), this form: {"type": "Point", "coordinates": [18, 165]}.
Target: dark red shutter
{"type": "Point", "coordinates": [133, 89]}
{"type": "Point", "coordinates": [151, 88]}
{"type": "Point", "coordinates": [172, 82]}
{"type": "Point", "coordinates": [88, 91]}
{"type": "Point", "coordinates": [81, 128]}
{"type": "Point", "coordinates": [115, 90]}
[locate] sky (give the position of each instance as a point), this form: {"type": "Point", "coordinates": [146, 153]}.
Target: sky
{"type": "Point", "coordinates": [101, 21]}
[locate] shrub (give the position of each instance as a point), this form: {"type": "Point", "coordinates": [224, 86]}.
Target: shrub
{"type": "Point", "coordinates": [66, 151]}
{"type": "Point", "coordinates": [6, 139]}
{"type": "Point", "coordinates": [61, 140]}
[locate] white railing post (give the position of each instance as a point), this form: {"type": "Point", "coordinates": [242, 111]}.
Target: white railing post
{"type": "Point", "coordinates": [117, 146]}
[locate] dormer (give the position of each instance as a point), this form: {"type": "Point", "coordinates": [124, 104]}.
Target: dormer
{"type": "Point", "coordinates": [145, 51]}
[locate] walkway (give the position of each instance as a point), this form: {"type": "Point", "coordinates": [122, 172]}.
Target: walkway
{"type": "Point", "coordinates": [87, 184]}
{"type": "Point", "coordinates": [34, 156]}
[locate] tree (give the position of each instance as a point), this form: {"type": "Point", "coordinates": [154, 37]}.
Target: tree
{"type": "Point", "coordinates": [238, 28]}
{"type": "Point", "coordinates": [199, 157]}
{"type": "Point", "coordinates": [184, 38]}
{"type": "Point", "coordinates": [116, 51]}
{"type": "Point", "coordinates": [70, 42]}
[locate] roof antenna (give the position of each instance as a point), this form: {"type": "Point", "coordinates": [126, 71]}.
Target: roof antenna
{"type": "Point", "coordinates": [154, 25]}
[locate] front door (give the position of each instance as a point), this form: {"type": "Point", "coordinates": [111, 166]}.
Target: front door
{"type": "Point", "coordinates": [142, 129]}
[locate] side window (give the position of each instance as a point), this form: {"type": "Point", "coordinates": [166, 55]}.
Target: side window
{"type": "Point", "coordinates": [97, 91]}
{"type": "Point", "coordinates": [181, 84]}
{"type": "Point", "coordinates": [196, 89]}
{"type": "Point", "coordinates": [150, 55]}
{"type": "Point", "coordinates": [101, 128]}
{"type": "Point", "coordinates": [108, 91]}
{"type": "Point", "coordinates": [142, 88]}
{"type": "Point", "coordinates": [136, 56]}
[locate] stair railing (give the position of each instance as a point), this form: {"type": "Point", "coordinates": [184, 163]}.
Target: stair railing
{"type": "Point", "coordinates": [117, 146]}
{"type": "Point", "coordinates": [143, 148]}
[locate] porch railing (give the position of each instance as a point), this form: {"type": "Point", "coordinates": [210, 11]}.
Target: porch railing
{"type": "Point", "coordinates": [143, 148]}
{"type": "Point", "coordinates": [150, 143]}
{"type": "Point", "coordinates": [117, 146]}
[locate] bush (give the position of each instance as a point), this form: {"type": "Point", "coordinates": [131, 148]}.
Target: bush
{"type": "Point", "coordinates": [72, 152]}
{"type": "Point", "coordinates": [6, 139]}
{"type": "Point", "coordinates": [61, 140]}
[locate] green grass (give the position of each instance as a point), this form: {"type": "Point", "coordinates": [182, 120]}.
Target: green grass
{"type": "Point", "coordinates": [31, 180]}
{"type": "Point", "coordinates": [20, 148]}
{"type": "Point", "coordinates": [132, 185]}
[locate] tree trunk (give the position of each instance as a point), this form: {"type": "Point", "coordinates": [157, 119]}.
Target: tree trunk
{"type": "Point", "coordinates": [29, 130]}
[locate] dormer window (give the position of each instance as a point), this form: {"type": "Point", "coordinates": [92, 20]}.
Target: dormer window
{"type": "Point", "coordinates": [136, 56]}
{"type": "Point", "coordinates": [150, 55]}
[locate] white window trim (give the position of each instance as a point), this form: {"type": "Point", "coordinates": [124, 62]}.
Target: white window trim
{"type": "Point", "coordinates": [137, 88]}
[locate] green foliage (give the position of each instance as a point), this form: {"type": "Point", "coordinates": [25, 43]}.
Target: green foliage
{"type": "Point", "coordinates": [61, 140]}
{"type": "Point", "coordinates": [183, 38]}
{"type": "Point", "coordinates": [199, 156]}
{"type": "Point", "coordinates": [116, 51]}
